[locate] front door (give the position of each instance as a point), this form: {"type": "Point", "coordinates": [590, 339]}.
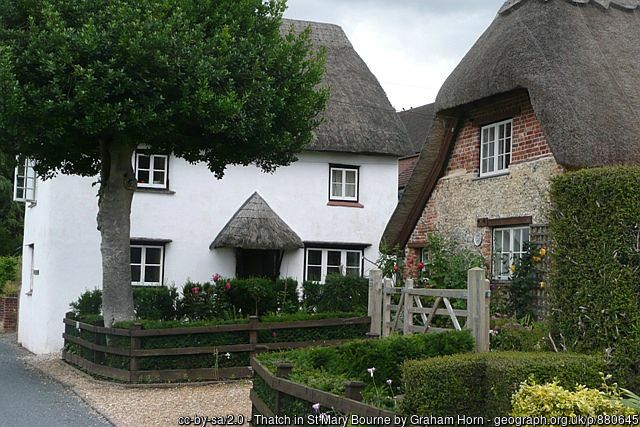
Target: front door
{"type": "Point", "coordinates": [258, 263]}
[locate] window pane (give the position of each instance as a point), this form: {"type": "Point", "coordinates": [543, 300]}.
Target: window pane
{"type": "Point", "coordinates": [143, 161]}
{"type": "Point", "coordinates": [158, 163]}
{"type": "Point", "coordinates": [350, 177]}
{"type": "Point", "coordinates": [336, 190]}
{"type": "Point", "coordinates": [525, 235]}
{"type": "Point", "coordinates": [158, 177]}
{"type": "Point", "coordinates": [334, 258]}
{"type": "Point", "coordinates": [314, 274]}
{"type": "Point", "coordinates": [135, 273]}
{"type": "Point", "coordinates": [336, 176]}
{"type": "Point", "coordinates": [153, 256]}
{"type": "Point", "coordinates": [497, 241]}
{"type": "Point", "coordinates": [517, 240]}
{"type": "Point", "coordinates": [353, 259]}
{"type": "Point", "coordinates": [508, 128]}
{"type": "Point", "coordinates": [492, 135]}
{"type": "Point", "coordinates": [484, 165]}
{"type": "Point", "coordinates": [505, 265]}
{"type": "Point", "coordinates": [350, 190]}
{"type": "Point", "coordinates": [500, 163]}
{"type": "Point", "coordinates": [506, 241]}
{"type": "Point", "coordinates": [20, 193]}
{"type": "Point", "coordinates": [136, 255]}
{"type": "Point", "coordinates": [143, 177]}
{"type": "Point", "coordinates": [314, 257]}
{"type": "Point", "coordinates": [501, 131]}
{"type": "Point", "coordinates": [152, 274]}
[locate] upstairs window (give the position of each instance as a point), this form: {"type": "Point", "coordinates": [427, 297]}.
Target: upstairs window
{"type": "Point", "coordinates": [508, 246]}
{"type": "Point", "coordinates": [146, 264]}
{"type": "Point", "coordinates": [24, 182]}
{"type": "Point", "coordinates": [495, 148]}
{"type": "Point", "coordinates": [151, 170]}
{"type": "Point", "coordinates": [321, 262]}
{"type": "Point", "coordinates": [343, 185]}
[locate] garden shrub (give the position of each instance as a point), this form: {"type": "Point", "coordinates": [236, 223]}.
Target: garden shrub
{"type": "Point", "coordinates": [344, 293]}
{"type": "Point", "coordinates": [311, 295]}
{"type": "Point", "coordinates": [8, 271]}
{"type": "Point", "coordinates": [155, 303]}
{"type": "Point", "coordinates": [202, 301]}
{"type": "Point", "coordinates": [447, 263]}
{"type": "Point", "coordinates": [527, 277]}
{"type": "Point", "coordinates": [595, 222]}
{"type": "Point", "coordinates": [509, 334]}
{"type": "Point", "coordinates": [326, 368]}
{"type": "Point", "coordinates": [88, 303]}
{"type": "Point", "coordinates": [481, 384]}
{"type": "Point", "coordinates": [553, 400]}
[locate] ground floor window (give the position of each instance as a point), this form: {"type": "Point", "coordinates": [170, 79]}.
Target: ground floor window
{"type": "Point", "coordinates": [147, 264]}
{"type": "Point", "coordinates": [509, 244]}
{"type": "Point", "coordinates": [321, 262]}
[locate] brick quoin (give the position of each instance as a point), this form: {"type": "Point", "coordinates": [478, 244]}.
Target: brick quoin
{"type": "Point", "coordinates": [528, 143]}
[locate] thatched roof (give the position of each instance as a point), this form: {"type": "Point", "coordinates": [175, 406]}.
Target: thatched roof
{"type": "Point", "coordinates": [418, 123]}
{"type": "Point", "coordinates": [256, 226]}
{"type": "Point", "coordinates": [577, 59]}
{"type": "Point", "coordinates": [359, 118]}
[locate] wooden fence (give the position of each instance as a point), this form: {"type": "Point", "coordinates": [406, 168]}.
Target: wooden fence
{"type": "Point", "coordinates": [410, 309]}
{"type": "Point", "coordinates": [274, 395]}
{"type": "Point", "coordinates": [119, 353]}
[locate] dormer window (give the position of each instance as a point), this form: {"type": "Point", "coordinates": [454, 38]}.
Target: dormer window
{"type": "Point", "coordinates": [495, 148]}
{"type": "Point", "coordinates": [24, 182]}
{"type": "Point", "coordinates": [151, 170]}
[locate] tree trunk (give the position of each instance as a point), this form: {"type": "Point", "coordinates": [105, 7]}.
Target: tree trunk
{"type": "Point", "coordinates": [117, 185]}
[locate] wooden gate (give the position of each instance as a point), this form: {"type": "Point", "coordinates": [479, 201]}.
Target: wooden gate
{"type": "Point", "coordinates": [423, 310]}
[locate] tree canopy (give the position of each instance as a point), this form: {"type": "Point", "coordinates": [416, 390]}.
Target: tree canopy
{"type": "Point", "coordinates": [208, 80]}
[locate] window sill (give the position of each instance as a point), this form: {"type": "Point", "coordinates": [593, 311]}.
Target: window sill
{"type": "Point", "coordinates": [345, 204]}
{"type": "Point", "coordinates": [154, 190]}
{"type": "Point", "coordinates": [30, 293]}
{"type": "Point", "coordinates": [479, 178]}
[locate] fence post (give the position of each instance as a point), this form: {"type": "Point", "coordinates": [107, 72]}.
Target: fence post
{"type": "Point", "coordinates": [408, 305]}
{"type": "Point", "coordinates": [135, 344]}
{"type": "Point", "coordinates": [253, 333]}
{"type": "Point", "coordinates": [353, 390]}
{"type": "Point", "coordinates": [386, 309]}
{"type": "Point", "coordinates": [283, 370]}
{"type": "Point", "coordinates": [375, 302]}
{"type": "Point", "coordinates": [478, 301]}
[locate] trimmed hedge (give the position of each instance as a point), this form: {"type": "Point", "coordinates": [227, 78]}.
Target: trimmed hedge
{"type": "Point", "coordinates": [595, 222]}
{"type": "Point", "coordinates": [338, 293]}
{"type": "Point", "coordinates": [481, 384]}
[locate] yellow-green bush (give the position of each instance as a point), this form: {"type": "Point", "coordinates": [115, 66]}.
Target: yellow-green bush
{"type": "Point", "coordinates": [552, 400]}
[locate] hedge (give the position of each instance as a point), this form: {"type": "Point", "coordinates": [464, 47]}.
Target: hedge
{"type": "Point", "coordinates": [8, 270]}
{"type": "Point", "coordinates": [481, 384]}
{"type": "Point", "coordinates": [338, 293]}
{"type": "Point", "coordinates": [595, 222]}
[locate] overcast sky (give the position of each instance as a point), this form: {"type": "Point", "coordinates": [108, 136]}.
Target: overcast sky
{"type": "Point", "coordinates": [410, 45]}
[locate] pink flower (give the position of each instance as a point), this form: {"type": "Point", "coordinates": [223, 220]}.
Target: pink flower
{"type": "Point", "coordinates": [228, 285]}
{"type": "Point", "coordinates": [215, 277]}
{"type": "Point", "coordinates": [420, 265]}
{"type": "Point", "coordinates": [316, 407]}
{"type": "Point", "coordinates": [274, 334]}
{"type": "Point", "coordinates": [195, 290]}
{"type": "Point", "coordinates": [395, 268]}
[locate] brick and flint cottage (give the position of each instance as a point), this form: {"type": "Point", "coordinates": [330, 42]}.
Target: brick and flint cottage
{"type": "Point", "coordinates": [550, 86]}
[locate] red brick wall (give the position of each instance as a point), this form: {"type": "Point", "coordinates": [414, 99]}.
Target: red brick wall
{"type": "Point", "coordinates": [405, 169]}
{"type": "Point", "coordinates": [8, 314]}
{"type": "Point", "coordinates": [528, 140]}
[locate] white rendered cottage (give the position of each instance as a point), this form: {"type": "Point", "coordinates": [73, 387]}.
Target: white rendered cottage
{"type": "Point", "coordinates": [324, 213]}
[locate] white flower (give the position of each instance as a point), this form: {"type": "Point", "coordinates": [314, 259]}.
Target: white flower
{"type": "Point", "coordinates": [325, 418]}
{"type": "Point", "coordinates": [227, 355]}
{"type": "Point", "coordinates": [389, 382]}
{"type": "Point", "coordinates": [316, 407]}
{"type": "Point", "coordinates": [371, 371]}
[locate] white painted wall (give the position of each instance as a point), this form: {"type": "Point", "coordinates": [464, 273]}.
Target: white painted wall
{"type": "Point", "coordinates": [62, 227]}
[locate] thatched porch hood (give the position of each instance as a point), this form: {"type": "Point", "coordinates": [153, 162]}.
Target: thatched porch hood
{"type": "Point", "coordinates": [256, 226]}
{"type": "Point", "coordinates": [579, 60]}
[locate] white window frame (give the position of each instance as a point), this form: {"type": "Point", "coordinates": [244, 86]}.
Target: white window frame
{"type": "Point", "coordinates": [343, 172]}
{"type": "Point", "coordinates": [493, 157]}
{"type": "Point", "coordinates": [512, 253]}
{"type": "Point", "coordinates": [325, 258]}
{"type": "Point", "coordinates": [25, 172]}
{"type": "Point", "coordinates": [152, 169]}
{"type": "Point", "coordinates": [143, 264]}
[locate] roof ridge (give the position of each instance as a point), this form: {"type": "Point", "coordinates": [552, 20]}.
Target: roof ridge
{"type": "Point", "coordinates": [628, 5]}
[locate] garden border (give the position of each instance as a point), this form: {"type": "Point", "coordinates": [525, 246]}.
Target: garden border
{"type": "Point", "coordinates": [136, 334]}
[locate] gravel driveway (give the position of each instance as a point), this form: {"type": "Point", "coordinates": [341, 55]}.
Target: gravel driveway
{"type": "Point", "coordinates": [145, 405]}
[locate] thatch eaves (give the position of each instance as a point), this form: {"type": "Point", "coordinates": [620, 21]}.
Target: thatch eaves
{"type": "Point", "coordinates": [418, 122]}
{"type": "Point", "coordinates": [579, 62]}
{"type": "Point", "coordinates": [256, 226]}
{"type": "Point", "coordinates": [359, 117]}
